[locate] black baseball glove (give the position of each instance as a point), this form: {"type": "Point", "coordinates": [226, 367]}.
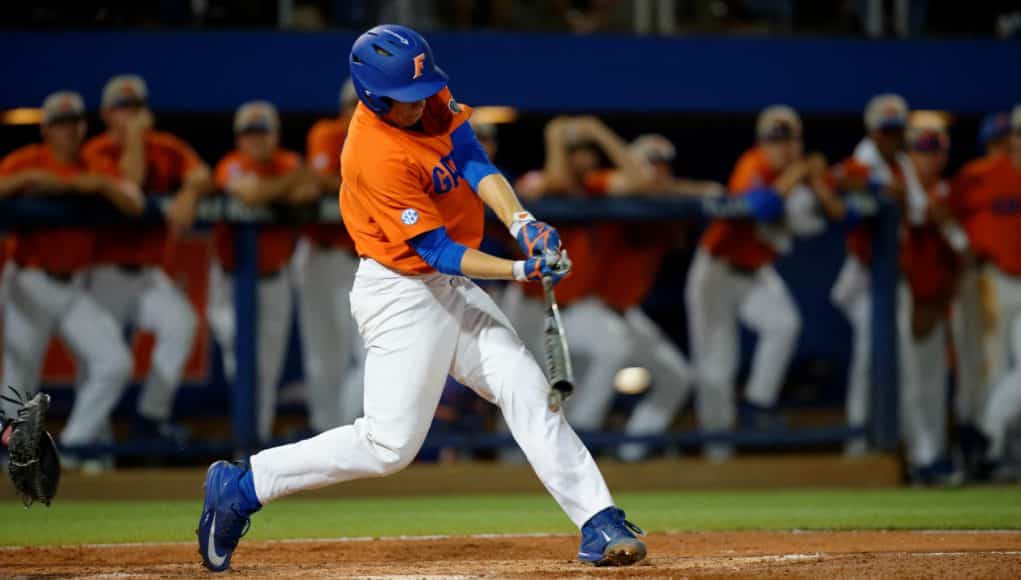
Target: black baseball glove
{"type": "Point", "coordinates": [34, 463]}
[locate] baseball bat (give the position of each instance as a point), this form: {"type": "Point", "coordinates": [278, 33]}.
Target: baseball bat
{"type": "Point", "coordinates": [558, 357]}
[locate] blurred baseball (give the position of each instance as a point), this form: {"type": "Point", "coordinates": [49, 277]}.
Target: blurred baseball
{"type": "Point", "coordinates": [632, 380]}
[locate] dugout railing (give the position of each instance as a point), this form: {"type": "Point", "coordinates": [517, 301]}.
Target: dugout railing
{"type": "Point", "coordinates": [882, 428]}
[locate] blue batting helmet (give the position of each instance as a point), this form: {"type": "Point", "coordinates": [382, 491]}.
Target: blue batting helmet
{"type": "Point", "coordinates": [394, 62]}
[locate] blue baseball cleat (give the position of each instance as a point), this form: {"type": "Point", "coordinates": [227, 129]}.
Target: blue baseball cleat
{"type": "Point", "coordinates": [608, 539]}
{"type": "Point", "coordinates": [225, 517]}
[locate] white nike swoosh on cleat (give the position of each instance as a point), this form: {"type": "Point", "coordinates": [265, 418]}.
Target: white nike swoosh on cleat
{"type": "Point", "coordinates": [214, 558]}
{"type": "Point", "coordinates": [603, 532]}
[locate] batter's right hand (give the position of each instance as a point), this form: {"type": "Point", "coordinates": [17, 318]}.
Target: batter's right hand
{"type": "Point", "coordinates": [555, 266]}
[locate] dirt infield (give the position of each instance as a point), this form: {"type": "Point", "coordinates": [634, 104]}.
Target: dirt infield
{"type": "Point", "coordinates": [701, 555]}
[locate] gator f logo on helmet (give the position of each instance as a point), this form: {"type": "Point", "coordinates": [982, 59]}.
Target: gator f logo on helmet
{"type": "Point", "coordinates": [394, 63]}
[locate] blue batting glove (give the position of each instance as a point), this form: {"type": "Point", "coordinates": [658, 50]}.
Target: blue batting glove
{"type": "Point", "coordinates": [534, 237]}
{"type": "Point", "coordinates": [765, 204]}
{"type": "Point", "coordinates": [555, 266]}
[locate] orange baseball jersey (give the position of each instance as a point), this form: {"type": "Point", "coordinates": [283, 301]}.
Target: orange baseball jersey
{"type": "Point", "coordinates": [737, 241]}
{"type": "Point", "coordinates": [57, 250]}
{"type": "Point", "coordinates": [400, 183]}
{"type": "Point", "coordinates": [631, 254]}
{"type": "Point", "coordinates": [168, 160]}
{"type": "Point", "coordinates": [276, 243]}
{"type": "Point", "coordinates": [322, 153]}
{"type": "Point", "coordinates": [986, 198]}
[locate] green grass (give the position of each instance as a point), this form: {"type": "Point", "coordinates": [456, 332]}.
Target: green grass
{"type": "Point", "coordinates": [72, 522]}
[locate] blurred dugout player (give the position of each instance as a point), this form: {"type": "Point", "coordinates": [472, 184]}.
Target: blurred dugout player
{"type": "Point", "coordinates": [972, 342]}
{"type": "Point", "coordinates": [596, 334]}
{"type": "Point", "coordinates": [325, 266]}
{"type": "Point", "coordinates": [878, 162]}
{"type": "Point", "coordinates": [631, 256]}
{"type": "Point", "coordinates": [932, 262]}
{"type": "Point", "coordinates": [732, 279]}
{"type": "Point", "coordinates": [259, 173]}
{"type": "Point", "coordinates": [128, 279]}
{"type": "Point", "coordinates": [986, 198]}
{"type": "Point", "coordinates": [45, 292]}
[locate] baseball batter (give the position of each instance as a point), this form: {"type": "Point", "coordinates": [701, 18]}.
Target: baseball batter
{"type": "Point", "coordinates": [415, 182]}
{"type": "Point", "coordinates": [128, 279]}
{"type": "Point", "coordinates": [46, 294]}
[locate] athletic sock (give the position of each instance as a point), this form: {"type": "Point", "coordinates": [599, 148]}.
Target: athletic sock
{"type": "Point", "coordinates": [246, 483]}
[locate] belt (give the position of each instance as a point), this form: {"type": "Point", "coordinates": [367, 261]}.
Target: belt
{"type": "Point", "coordinates": [261, 275]}
{"type": "Point", "coordinates": [743, 270]}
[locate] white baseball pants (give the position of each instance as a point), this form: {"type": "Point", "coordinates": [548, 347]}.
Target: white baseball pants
{"type": "Point", "coordinates": [37, 307]}
{"type": "Point", "coordinates": [273, 327]}
{"type": "Point", "coordinates": [417, 330]}
{"type": "Point", "coordinates": [328, 334]}
{"type": "Point", "coordinates": [1004, 403]}
{"type": "Point", "coordinates": [717, 298]}
{"type": "Point", "coordinates": [968, 336]}
{"type": "Point", "coordinates": [922, 368]}
{"type": "Point", "coordinates": [149, 300]}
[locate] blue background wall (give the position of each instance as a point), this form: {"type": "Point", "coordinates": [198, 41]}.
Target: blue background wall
{"type": "Point", "coordinates": [204, 71]}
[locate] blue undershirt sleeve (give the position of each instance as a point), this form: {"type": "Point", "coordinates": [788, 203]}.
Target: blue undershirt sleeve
{"type": "Point", "coordinates": [470, 157]}
{"type": "Point", "coordinates": [439, 251]}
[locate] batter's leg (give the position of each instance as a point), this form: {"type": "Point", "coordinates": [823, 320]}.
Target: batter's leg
{"type": "Point", "coordinates": [600, 337]}
{"type": "Point", "coordinates": [324, 310]}
{"type": "Point", "coordinates": [410, 339]}
{"type": "Point", "coordinates": [671, 381]}
{"type": "Point", "coordinates": [492, 361]}
{"type": "Point", "coordinates": [712, 296]}
{"type": "Point", "coordinates": [166, 312]}
{"type": "Point", "coordinates": [770, 311]}
{"type": "Point", "coordinates": [105, 364]}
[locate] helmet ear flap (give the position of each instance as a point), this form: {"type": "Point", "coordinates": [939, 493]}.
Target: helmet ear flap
{"type": "Point", "coordinates": [375, 103]}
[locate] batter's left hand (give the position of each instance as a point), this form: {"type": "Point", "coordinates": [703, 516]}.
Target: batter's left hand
{"type": "Point", "coordinates": [550, 264]}
{"type": "Point", "coordinates": [536, 238]}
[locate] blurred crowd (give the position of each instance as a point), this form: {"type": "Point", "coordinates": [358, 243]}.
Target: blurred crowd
{"type": "Point", "coordinates": [868, 18]}
{"type": "Point", "coordinates": [959, 298]}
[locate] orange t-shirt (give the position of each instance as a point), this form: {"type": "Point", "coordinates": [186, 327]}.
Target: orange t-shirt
{"type": "Point", "coordinates": [986, 198]}
{"type": "Point", "coordinates": [168, 160]}
{"type": "Point", "coordinates": [322, 153]}
{"type": "Point", "coordinates": [60, 250]}
{"type": "Point", "coordinates": [631, 254]}
{"type": "Point", "coordinates": [737, 241]}
{"type": "Point", "coordinates": [276, 243]}
{"type": "Point", "coordinates": [400, 183]}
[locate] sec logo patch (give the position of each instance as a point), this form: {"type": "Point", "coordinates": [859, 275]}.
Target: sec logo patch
{"type": "Point", "coordinates": [409, 217]}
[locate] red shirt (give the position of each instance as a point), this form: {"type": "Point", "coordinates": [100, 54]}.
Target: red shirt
{"type": "Point", "coordinates": [61, 250]}
{"type": "Point", "coordinates": [737, 241]}
{"type": "Point", "coordinates": [168, 160]}
{"type": "Point", "coordinates": [276, 243]}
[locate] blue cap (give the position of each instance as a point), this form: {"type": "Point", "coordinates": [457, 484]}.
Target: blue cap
{"type": "Point", "coordinates": [994, 126]}
{"type": "Point", "coordinates": [396, 62]}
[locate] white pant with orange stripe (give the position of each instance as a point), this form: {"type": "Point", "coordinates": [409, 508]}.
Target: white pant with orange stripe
{"type": "Point", "coordinates": [148, 300]}
{"type": "Point", "coordinates": [39, 306]}
{"type": "Point", "coordinates": [417, 330]}
{"type": "Point", "coordinates": [718, 297]}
